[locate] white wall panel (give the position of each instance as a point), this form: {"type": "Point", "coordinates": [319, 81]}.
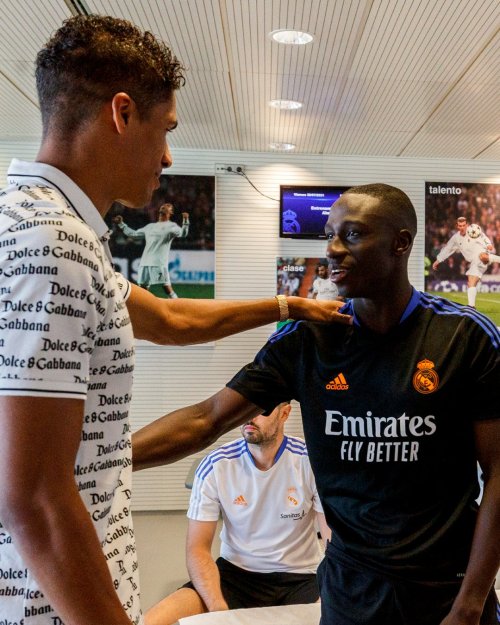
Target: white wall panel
{"type": "Point", "coordinates": [247, 244]}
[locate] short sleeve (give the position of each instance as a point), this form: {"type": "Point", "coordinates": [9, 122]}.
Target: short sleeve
{"type": "Point", "coordinates": [204, 504]}
{"type": "Point", "coordinates": [124, 285]}
{"type": "Point", "coordinates": [269, 379]}
{"type": "Point", "coordinates": [49, 308]}
{"type": "Point", "coordinates": [316, 500]}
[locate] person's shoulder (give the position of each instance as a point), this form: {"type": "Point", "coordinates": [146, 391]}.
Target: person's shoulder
{"type": "Point", "coordinates": [228, 452]}
{"type": "Point", "coordinates": [291, 329]}
{"type": "Point", "coordinates": [50, 219]}
{"type": "Point", "coordinates": [297, 456]}
{"type": "Point", "coordinates": [448, 311]}
{"type": "Point", "coordinates": [296, 445]}
{"type": "Point", "coordinates": [307, 333]}
{"type": "Point", "coordinates": [288, 328]}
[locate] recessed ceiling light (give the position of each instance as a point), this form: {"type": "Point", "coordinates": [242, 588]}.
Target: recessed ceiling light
{"type": "Point", "coordinates": [296, 37]}
{"type": "Point", "coordinates": [288, 105]}
{"type": "Point", "coordinates": [282, 147]}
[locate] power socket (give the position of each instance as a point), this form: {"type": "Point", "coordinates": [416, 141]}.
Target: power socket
{"type": "Point", "coordinates": [229, 169]}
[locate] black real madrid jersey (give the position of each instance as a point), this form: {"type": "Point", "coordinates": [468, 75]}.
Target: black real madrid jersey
{"type": "Point", "coordinates": [388, 421]}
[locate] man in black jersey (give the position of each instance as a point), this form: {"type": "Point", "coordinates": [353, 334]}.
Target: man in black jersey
{"type": "Point", "coordinates": [397, 410]}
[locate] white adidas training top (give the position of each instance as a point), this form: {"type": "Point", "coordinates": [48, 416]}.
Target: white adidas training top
{"type": "Point", "coordinates": [268, 516]}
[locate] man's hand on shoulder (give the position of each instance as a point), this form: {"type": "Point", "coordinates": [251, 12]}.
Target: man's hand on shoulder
{"type": "Point", "coordinates": [317, 310]}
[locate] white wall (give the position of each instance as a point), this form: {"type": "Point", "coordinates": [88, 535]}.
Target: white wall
{"type": "Point", "coordinates": [160, 547]}
{"type": "Point", "coordinates": [247, 244]}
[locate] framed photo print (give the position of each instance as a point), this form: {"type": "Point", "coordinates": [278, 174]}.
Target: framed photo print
{"type": "Point", "coordinates": [168, 247]}
{"type": "Point", "coordinates": [305, 277]}
{"type": "Point", "coordinates": [462, 243]}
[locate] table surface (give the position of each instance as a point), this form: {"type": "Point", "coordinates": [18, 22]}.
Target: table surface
{"type": "Point", "coordinates": [302, 614]}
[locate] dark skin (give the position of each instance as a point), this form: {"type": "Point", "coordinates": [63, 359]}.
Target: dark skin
{"type": "Point", "coordinates": [368, 249]}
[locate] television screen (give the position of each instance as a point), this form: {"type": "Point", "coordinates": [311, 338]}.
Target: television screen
{"type": "Point", "coordinates": [304, 210]}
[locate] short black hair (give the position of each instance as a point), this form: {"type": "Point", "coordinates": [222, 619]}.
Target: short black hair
{"type": "Point", "coordinates": [396, 202]}
{"type": "Point", "coordinates": [89, 59]}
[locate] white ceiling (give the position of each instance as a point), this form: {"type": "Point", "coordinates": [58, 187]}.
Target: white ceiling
{"type": "Point", "coordinates": [409, 78]}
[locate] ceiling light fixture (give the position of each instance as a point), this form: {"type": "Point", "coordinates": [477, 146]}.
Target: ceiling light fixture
{"type": "Point", "coordinates": [295, 37]}
{"type": "Point", "coordinates": [288, 105]}
{"type": "Point", "coordinates": [282, 147]}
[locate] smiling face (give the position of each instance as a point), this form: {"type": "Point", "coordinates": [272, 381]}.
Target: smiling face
{"type": "Point", "coordinates": [361, 246]}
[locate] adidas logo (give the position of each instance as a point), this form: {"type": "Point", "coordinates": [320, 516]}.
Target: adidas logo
{"type": "Point", "coordinates": [240, 501]}
{"type": "Point", "coordinates": [339, 383]}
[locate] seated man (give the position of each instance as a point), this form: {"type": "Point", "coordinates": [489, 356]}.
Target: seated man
{"type": "Point", "coordinates": [264, 487]}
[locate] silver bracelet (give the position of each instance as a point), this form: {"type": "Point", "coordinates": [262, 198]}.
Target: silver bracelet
{"type": "Point", "coordinates": [283, 306]}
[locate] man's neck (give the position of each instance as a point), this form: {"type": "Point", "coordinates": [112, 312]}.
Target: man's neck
{"type": "Point", "coordinates": [382, 315]}
{"type": "Point", "coordinates": [264, 456]}
{"type": "Point", "coordinates": [85, 161]}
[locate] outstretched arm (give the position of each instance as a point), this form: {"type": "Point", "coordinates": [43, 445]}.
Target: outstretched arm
{"type": "Point", "coordinates": [188, 430]}
{"type": "Point", "coordinates": [185, 226]}
{"type": "Point", "coordinates": [446, 251]}
{"type": "Point", "coordinates": [127, 230]}
{"type": "Point", "coordinates": [484, 557]}
{"type": "Point", "coordinates": [190, 321]}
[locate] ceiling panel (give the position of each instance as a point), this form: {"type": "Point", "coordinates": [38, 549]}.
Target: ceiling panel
{"type": "Point", "coordinates": [462, 122]}
{"type": "Point", "coordinates": [19, 117]}
{"type": "Point", "coordinates": [382, 77]}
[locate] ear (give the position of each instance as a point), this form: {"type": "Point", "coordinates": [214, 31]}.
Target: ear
{"type": "Point", "coordinates": [122, 107]}
{"type": "Point", "coordinates": [285, 411]}
{"type": "Point", "coordinates": [402, 243]}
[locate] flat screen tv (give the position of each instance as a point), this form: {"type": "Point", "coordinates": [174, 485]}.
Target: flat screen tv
{"type": "Point", "coordinates": [304, 209]}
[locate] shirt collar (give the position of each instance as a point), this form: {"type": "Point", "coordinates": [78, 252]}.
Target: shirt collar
{"type": "Point", "coordinates": [412, 304]}
{"type": "Point", "coordinates": [78, 201]}
{"type": "Point", "coordinates": [348, 309]}
{"type": "Point", "coordinates": [278, 455]}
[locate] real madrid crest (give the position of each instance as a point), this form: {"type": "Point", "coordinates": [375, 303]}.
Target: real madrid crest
{"type": "Point", "coordinates": [425, 380]}
{"type": "Point", "coordinates": [292, 497]}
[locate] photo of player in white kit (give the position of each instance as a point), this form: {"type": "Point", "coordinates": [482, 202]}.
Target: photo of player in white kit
{"type": "Point", "coordinates": [323, 287]}
{"type": "Point", "coordinates": [462, 244]}
{"type": "Point", "coordinates": [158, 236]}
{"type": "Point", "coordinates": [476, 248]}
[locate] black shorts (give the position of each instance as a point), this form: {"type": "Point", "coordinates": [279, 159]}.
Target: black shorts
{"type": "Point", "coordinates": [353, 595]}
{"type": "Point", "coordinates": [247, 589]}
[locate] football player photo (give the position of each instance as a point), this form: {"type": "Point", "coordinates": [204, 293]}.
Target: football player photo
{"type": "Point", "coordinates": [168, 247]}
{"type": "Point", "coordinates": [462, 244]}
